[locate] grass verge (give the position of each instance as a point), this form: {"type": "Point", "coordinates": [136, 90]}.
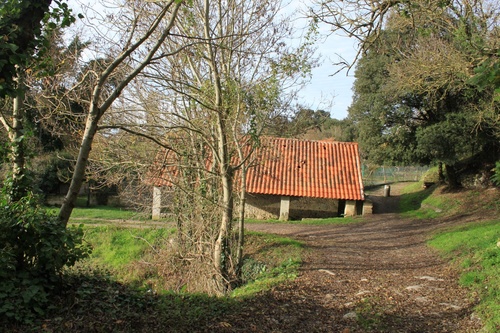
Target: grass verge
{"type": "Point", "coordinates": [422, 203]}
{"type": "Point", "coordinates": [118, 249]}
{"type": "Point", "coordinates": [104, 213]}
{"type": "Point", "coordinates": [474, 248]}
{"type": "Point", "coordinates": [270, 260]}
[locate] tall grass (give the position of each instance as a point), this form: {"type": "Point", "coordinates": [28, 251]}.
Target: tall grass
{"type": "Point", "coordinates": [475, 249]}
{"type": "Point", "coordinates": [128, 254]}
{"type": "Point", "coordinates": [117, 249]}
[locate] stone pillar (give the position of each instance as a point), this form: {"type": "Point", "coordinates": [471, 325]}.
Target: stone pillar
{"type": "Point", "coordinates": [387, 190]}
{"type": "Point", "coordinates": [285, 209]}
{"type": "Point", "coordinates": [350, 208]}
{"type": "Point", "coordinates": [367, 207]}
{"type": "Point", "coordinates": [156, 214]}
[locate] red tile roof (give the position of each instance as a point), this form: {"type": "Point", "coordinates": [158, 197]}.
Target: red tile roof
{"type": "Point", "coordinates": [289, 167]}
{"type": "Point", "coordinates": [319, 169]}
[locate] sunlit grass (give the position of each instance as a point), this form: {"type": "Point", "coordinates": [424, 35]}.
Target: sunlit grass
{"type": "Point", "coordinates": [421, 203]}
{"type": "Point", "coordinates": [116, 248]}
{"type": "Point", "coordinates": [104, 212]}
{"type": "Point", "coordinates": [474, 248]}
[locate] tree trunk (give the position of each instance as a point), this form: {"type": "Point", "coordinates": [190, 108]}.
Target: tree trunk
{"type": "Point", "coordinates": [81, 165]}
{"type": "Point", "coordinates": [453, 181]}
{"type": "Point", "coordinates": [16, 136]}
{"type": "Point", "coordinates": [97, 109]}
{"type": "Point", "coordinates": [440, 172]}
{"type": "Point", "coordinates": [221, 253]}
{"type": "Point", "coordinates": [241, 222]}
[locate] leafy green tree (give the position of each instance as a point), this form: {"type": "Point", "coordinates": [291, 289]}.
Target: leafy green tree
{"type": "Point", "coordinates": [22, 24]}
{"type": "Point", "coordinates": [24, 29]}
{"type": "Point", "coordinates": [415, 98]}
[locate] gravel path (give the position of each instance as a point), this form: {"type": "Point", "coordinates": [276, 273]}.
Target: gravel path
{"type": "Point", "coordinates": [374, 276]}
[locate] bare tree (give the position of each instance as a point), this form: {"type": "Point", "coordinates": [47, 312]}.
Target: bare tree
{"type": "Point", "coordinates": [216, 96]}
{"type": "Point", "coordinates": [147, 21]}
{"type": "Point", "coordinates": [365, 19]}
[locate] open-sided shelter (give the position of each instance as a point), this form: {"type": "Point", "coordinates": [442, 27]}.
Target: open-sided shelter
{"type": "Point", "coordinates": [294, 179]}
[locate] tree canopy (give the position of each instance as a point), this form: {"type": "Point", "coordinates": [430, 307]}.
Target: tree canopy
{"type": "Point", "coordinates": [23, 24]}
{"type": "Point", "coordinates": [426, 83]}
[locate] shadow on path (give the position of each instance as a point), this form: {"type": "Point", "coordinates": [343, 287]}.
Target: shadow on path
{"type": "Point", "coordinates": [377, 275]}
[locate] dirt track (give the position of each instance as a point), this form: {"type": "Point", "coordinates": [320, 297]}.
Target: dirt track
{"type": "Point", "coordinates": [374, 276]}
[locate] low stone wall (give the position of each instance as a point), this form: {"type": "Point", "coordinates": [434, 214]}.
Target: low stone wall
{"type": "Point", "coordinates": [262, 207]}
{"type": "Point", "coordinates": [265, 207]}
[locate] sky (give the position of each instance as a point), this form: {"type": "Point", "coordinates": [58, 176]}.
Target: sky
{"type": "Point", "coordinates": [325, 91]}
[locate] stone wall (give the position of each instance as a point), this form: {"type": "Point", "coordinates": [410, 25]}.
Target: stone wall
{"type": "Point", "coordinates": [262, 207]}
{"type": "Point", "coordinates": [265, 207]}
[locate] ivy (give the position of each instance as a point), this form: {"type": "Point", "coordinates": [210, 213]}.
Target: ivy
{"type": "Point", "coordinates": [24, 26]}
{"type": "Point", "coordinates": [34, 249]}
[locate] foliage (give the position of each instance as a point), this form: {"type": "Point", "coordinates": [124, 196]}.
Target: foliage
{"type": "Point", "coordinates": [49, 171]}
{"type": "Point", "coordinates": [21, 29]}
{"type": "Point", "coordinates": [496, 176]}
{"type": "Point", "coordinates": [35, 249]}
{"type": "Point", "coordinates": [474, 248]}
{"type": "Point", "coordinates": [310, 125]}
{"type": "Point", "coordinates": [425, 105]}
{"type": "Point", "coordinates": [487, 74]}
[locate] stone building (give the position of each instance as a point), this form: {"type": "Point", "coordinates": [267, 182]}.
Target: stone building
{"type": "Point", "coordinates": [295, 179]}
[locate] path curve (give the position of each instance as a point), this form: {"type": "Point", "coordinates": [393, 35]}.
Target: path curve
{"type": "Point", "coordinates": [377, 275]}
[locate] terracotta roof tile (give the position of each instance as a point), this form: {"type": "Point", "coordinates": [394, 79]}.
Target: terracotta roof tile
{"type": "Point", "coordinates": [289, 167]}
{"type": "Point", "coordinates": [320, 169]}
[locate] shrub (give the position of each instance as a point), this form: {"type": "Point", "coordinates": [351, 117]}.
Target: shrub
{"type": "Point", "coordinates": [496, 176]}
{"type": "Point", "coordinates": [431, 176]}
{"type": "Point", "coordinates": [34, 249]}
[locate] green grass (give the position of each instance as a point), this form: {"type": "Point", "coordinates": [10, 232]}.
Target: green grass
{"type": "Point", "coordinates": [420, 203]}
{"type": "Point", "coordinates": [474, 248]}
{"type": "Point", "coordinates": [275, 260]}
{"type": "Point", "coordinates": [104, 213]}
{"type": "Point", "coordinates": [270, 259]}
{"type": "Point", "coordinates": [108, 213]}
{"type": "Point", "coordinates": [116, 248]}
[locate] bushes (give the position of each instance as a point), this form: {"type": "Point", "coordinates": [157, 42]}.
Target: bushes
{"type": "Point", "coordinates": [496, 176]}
{"type": "Point", "coordinates": [34, 249]}
{"type": "Point", "coordinates": [431, 176]}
